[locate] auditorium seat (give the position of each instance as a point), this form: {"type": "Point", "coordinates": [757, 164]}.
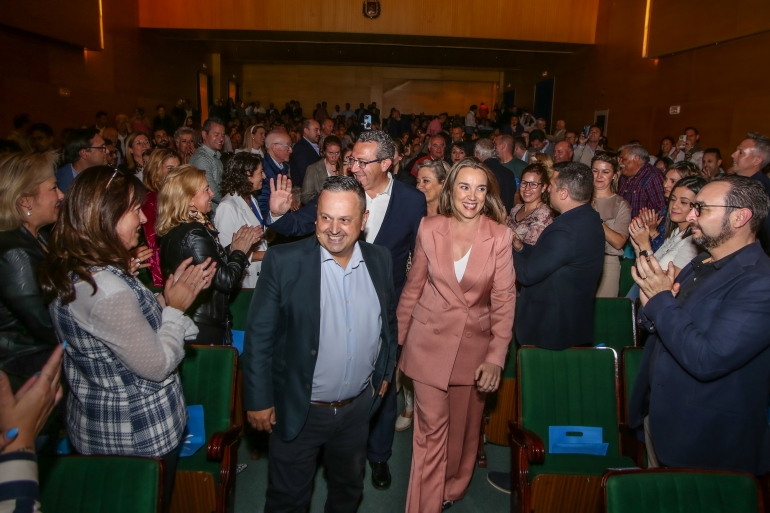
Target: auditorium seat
{"type": "Point", "coordinates": [574, 387]}
{"type": "Point", "coordinates": [205, 480]}
{"type": "Point", "coordinates": [239, 307]}
{"type": "Point", "coordinates": [614, 324]}
{"type": "Point", "coordinates": [680, 491]}
{"type": "Point", "coordinates": [626, 280]}
{"type": "Point", "coordinates": [630, 359]}
{"type": "Point", "coordinates": [100, 484]}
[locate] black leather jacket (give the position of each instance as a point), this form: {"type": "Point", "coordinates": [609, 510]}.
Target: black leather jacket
{"type": "Point", "coordinates": [193, 239]}
{"type": "Point", "coordinates": [27, 336]}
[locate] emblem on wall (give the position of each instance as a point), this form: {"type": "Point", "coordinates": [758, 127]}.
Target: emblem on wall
{"type": "Point", "coordinates": [371, 9]}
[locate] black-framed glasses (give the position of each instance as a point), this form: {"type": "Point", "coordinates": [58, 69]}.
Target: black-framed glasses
{"type": "Point", "coordinates": [531, 185]}
{"type": "Point", "coordinates": [361, 164]}
{"type": "Point", "coordinates": [698, 205]}
{"type": "Point", "coordinates": [102, 148]}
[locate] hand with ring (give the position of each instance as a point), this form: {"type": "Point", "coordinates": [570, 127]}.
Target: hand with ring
{"type": "Point", "coordinates": [186, 283]}
{"type": "Point", "coordinates": [652, 279]}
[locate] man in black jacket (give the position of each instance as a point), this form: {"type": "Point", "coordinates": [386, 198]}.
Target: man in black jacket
{"type": "Point", "coordinates": [506, 180]}
{"type": "Point", "coordinates": [306, 151]}
{"type": "Point", "coordinates": [560, 273]}
{"type": "Point", "coordinates": [314, 376]}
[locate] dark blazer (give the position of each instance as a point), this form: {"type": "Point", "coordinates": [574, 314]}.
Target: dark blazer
{"type": "Point", "coordinates": [281, 344]}
{"type": "Point", "coordinates": [764, 231]}
{"type": "Point", "coordinates": [505, 179]}
{"type": "Point", "coordinates": [302, 155]}
{"type": "Point", "coordinates": [399, 228]}
{"type": "Point", "coordinates": [560, 274]}
{"type": "Point", "coordinates": [271, 170]}
{"type": "Point", "coordinates": [703, 378]}
{"type": "Point", "coordinates": [64, 177]}
{"type": "Point", "coordinates": [27, 336]}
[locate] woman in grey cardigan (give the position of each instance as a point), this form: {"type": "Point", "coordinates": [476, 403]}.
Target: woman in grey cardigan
{"type": "Point", "coordinates": [329, 165]}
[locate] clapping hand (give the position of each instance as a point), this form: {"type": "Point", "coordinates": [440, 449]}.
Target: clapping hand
{"type": "Point", "coordinates": [280, 195]}
{"type": "Point", "coordinates": [651, 219]}
{"type": "Point", "coordinates": [518, 244]}
{"type": "Point", "coordinates": [139, 257]}
{"type": "Point", "coordinates": [183, 286]}
{"type": "Point", "coordinates": [652, 279]}
{"type": "Point", "coordinates": [245, 238]}
{"type": "Point", "coordinates": [640, 234]}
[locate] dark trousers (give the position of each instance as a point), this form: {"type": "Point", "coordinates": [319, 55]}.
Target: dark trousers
{"type": "Point", "coordinates": [170, 461]}
{"type": "Point", "coordinates": [382, 427]}
{"type": "Point", "coordinates": [342, 434]}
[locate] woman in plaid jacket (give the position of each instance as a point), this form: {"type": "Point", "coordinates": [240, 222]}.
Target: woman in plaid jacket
{"type": "Point", "coordinates": [123, 343]}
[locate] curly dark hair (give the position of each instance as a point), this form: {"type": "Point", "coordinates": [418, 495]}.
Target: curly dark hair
{"type": "Point", "coordinates": [235, 179]}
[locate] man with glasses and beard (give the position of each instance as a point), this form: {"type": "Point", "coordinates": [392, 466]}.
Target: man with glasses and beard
{"type": "Point", "coordinates": [702, 389]}
{"type": "Point", "coordinates": [395, 211]}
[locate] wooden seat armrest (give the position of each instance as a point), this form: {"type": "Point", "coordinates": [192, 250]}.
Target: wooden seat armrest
{"type": "Point", "coordinates": [219, 441]}
{"type": "Point", "coordinates": [528, 440]}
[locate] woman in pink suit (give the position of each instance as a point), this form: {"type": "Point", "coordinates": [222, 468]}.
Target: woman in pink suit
{"type": "Point", "coordinates": [455, 321]}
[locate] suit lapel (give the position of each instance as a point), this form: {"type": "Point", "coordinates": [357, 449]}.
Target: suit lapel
{"type": "Point", "coordinates": [388, 214]}
{"type": "Point", "coordinates": [313, 293]}
{"type": "Point", "coordinates": [480, 251]}
{"type": "Point", "coordinates": [442, 238]}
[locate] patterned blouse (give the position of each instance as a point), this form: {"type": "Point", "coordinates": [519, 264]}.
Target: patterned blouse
{"type": "Point", "coordinates": [530, 228]}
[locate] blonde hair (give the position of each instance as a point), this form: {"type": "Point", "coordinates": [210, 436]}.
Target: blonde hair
{"type": "Point", "coordinates": [546, 161]}
{"type": "Point", "coordinates": [493, 205]}
{"type": "Point", "coordinates": [129, 152]}
{"type": "Point", "coordinates": [179, 187]}
{"type": "Point", "coordinates": [248, 141]}
{"type": "Point", "coordinates": [153, 171]}
{"type": "Point", "coordinates": [20, 176]}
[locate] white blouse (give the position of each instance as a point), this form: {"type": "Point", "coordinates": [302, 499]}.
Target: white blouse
{"type": "Point", "coordinates": [461, 264]}
{"type": "Point", "coordinates": [232, 213]}
{"type": "Point", "coordinates": [114, 316]}
{"type": "Point", "coordinates": [676, 249]}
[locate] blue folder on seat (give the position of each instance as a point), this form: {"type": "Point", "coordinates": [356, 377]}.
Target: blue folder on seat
{"type": "Point", "coordinates": [194, 435]}
{"type": "Point", "coordinates": [576, 440]}
{"type": "Point", "coordinates": [238, 340]}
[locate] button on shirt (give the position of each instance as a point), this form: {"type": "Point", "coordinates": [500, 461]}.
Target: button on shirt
{"type": "Point", "coordinates": [377, 208]}
{"type": "Point", "coordinates": [208, 160]}
{"type": "Point", "coordinates": [351, 322]}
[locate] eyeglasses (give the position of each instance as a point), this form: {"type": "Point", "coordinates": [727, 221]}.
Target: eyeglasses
{"type": "Point", "coordinates": [530, 185]}
{"type": "Point", "coordinates": [112, 177]}
{"type": "Point", "coordinates": [697, 206]}
{"type": "Point", "coordinates": [102, 148]}
{"type": "Point", "coordinates": [353, 162]}
{"type": "Point", "coordinates": [287, 146]}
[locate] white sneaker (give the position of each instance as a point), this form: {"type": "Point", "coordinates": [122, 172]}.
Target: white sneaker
{"type": "Point", "coordinates": [403, 423]}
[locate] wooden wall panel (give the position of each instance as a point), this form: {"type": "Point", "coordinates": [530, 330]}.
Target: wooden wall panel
{"type": "Point", "coordinates": [722, 89]}
{"type": "Point", "coordinates": [408, 89]}
{"type": "Point", "coordinates": [76, 23]}
{"type": "Point", "coordinates": [569, 21]}
{"type": "Point", "coordinates": [678, 25]}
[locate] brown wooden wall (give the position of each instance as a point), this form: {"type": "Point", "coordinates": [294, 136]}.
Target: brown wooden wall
{"type": "Point", "coordinates": [722, 89]}
{"type": "Point", "coordinates": [411, 90]}
{"type": "Point", "coordinates": [571, 21]}
{"type": "Point", "coordinates": [677, 25]}
{"type": "Point", "coordinates": [77, 23]}
{"type": "Point", "coordinates": [133, 70]}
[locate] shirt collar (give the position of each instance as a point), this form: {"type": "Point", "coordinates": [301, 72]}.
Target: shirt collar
{"type": "Point", "coordinates": [355, 260]}
{"type": "Point", "coordinates": [279, 166]}
{"type": "Point", "coordinates": [314, 145]}
{"type": "Point", "coordinates": [209, 151]}
{"type": "Point", "coordinates": [388, 190]}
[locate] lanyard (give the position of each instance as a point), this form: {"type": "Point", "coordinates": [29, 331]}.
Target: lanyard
{"type": "Point", "coordinates": [255, 209]}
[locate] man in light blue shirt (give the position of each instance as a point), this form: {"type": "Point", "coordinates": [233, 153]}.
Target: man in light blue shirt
{"type": "Point", "coordinates": [207, 156]}
{"type": "Point", "coordinates": [320, 350]}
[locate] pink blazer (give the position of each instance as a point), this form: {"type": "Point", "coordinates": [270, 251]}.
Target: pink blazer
{"type": "Point", "coordinates": [447, 328]}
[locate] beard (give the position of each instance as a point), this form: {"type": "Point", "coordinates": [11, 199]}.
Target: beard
{"type": "Point", "coordinates": [708, 242]}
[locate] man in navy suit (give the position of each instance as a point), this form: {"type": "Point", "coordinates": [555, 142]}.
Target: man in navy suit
{"type": "Point", "coordinates": [314, 384]}
{"type": "Point", "coordinates": [305, 151]}
{"type": "Point", "coordinates": [275, 163]}
{"type": "Point", "coordinates": [85, 149]}
{"type": "Point", "coordinates": [702, 389]}
{"type": "Point", "coordinates": [395, 211]}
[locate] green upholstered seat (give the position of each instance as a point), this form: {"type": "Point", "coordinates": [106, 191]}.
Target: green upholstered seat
{"type": "Point", "coordinates": [626, 280]}
{"type": "Point", "coordinates": [239, 307]}
{"type": "Point", "coordinates": [99, 484]}
{"type": "Point", "coordinates": [208, 377]}
{"type": "Point", "coordinates": [631, 359]}
{"type": "Point", "coordinates": [614, 323]}
{"type": "Point", "coordinates": [574, 387]}
{"type": "Point", "coordinates": [673, 491]}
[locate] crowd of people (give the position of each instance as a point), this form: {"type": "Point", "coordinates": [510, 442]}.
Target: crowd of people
{"type": "Point", "coordinates": [437, 239]}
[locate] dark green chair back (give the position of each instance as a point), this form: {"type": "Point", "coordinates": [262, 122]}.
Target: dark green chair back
{"type": "Point", "coordinates": [208, 378]}
{"type": "Point", "coordinates": [99, 484]}
{"type": "Point", "coordinates": [626, 280]}
{"type": "Point", "coordinates": [573, 387]}
{"type": "Point", "coordinates": [614, 323]}
{"type": "Point", "coordinates": [239, 307]}
{"type": "Point", "coordinates": [678, 491]}
{"type": "Point", "coordinates": [630, 359]}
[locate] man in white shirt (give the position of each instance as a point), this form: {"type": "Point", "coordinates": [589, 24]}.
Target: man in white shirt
{"type": "Point", "coordinates": [588, 146]}
{"type": "Point", "coordinates": [688, 148]}
{"type": "Point", "coordinates": [470, 120]}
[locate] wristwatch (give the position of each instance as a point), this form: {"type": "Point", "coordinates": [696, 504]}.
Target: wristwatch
{"type": "Point", "coordinates": [645, 253]}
